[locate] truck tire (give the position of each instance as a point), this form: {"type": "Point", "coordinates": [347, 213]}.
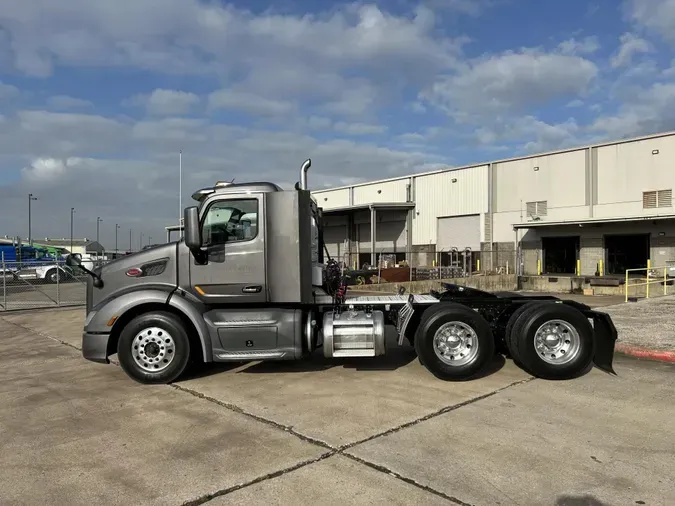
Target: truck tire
{"type": "Point", "coordinates": [154, 348]}
{"type": "Point", "coordinates": [510, 337]}
{"type": "Point", "coordinates": [553, 341]}
{"type": "Point", "coordinates": [453, 341]}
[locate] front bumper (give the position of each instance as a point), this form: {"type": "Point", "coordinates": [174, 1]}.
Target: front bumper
{"type": "Point", "coordinates": [95, 347]}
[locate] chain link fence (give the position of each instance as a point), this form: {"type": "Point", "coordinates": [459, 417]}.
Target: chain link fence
{"type": "Point", "coordinates": [41, 284]}
{"type": "Point", "coordinates": [425, 265]}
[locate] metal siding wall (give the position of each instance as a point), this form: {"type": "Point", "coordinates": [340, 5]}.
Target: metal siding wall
{"type": "Point", "coordinates": [436, 195]}
{"type": "Point", "coordinates": [626, 170]}
{"type": "Point", "coordinates": [391, 191]}
{"type": "Point", "coordinates": [459, 232]}
{"type": "Point", "coordinates": [560, 181]}
{"type": "Point", "coordinates": [332, 198]}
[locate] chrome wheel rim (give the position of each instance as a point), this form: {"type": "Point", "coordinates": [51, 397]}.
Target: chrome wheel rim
{"type": "Point", "coordinates": [557, 342]}
{"type": "Point", "coordinates": [456, 343]}
{"type": "Point", "coordinates": [153, 349]}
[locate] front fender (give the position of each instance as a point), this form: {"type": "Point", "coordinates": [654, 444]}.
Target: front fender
{"type": "Point", "coordinates": [105, 316]}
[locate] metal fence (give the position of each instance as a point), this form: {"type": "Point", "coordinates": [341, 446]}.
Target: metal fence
{"type": "Point", "coordinates": [34, 284]}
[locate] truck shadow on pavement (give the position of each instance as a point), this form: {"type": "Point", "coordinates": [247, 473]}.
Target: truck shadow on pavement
{"type": "Point", "coordinates": [394, 359]}
{"type": "Point", "coordinates": [580, 500]}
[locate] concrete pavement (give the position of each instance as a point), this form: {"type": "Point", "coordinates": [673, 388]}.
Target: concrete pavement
{"type": "Point", "coordinates": [354, 432]}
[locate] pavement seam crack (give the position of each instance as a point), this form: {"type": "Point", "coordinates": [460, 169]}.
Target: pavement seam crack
{"type": "Point", "coordinates": [208, 497]}
{"type": "Point", "coordinates": [405, 479]}
{"type": "Point", "coordinates": [267, 421]}
{"type": "Point", "coordinates": [429, 416]}
{"type": "Point", "coordinates": [41, 334]}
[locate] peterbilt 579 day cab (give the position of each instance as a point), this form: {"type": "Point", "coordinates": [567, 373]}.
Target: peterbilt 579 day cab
{"type": "Point", "coordinates": [250, 282]}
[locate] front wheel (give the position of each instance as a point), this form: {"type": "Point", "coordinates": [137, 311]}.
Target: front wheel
{"type": "Point", "coordinates": [154, 348]}
{"type": "Point", "coordinates": [453, 341]}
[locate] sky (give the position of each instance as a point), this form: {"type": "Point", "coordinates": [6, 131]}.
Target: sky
{"type": "Point", "coordinates": [97, 99]}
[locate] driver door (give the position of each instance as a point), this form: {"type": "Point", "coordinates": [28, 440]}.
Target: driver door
{"type": "Point", "coordinates": [234, 240]}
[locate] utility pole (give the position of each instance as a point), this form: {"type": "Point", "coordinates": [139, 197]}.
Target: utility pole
{"type": "Point", "coordinates": [180, 191]}
{"type": "Point", "coordinates": [30, 236]}
{"type": "Point", "coordinates": [98, 220]}
{"type": "Point", "coordinates": [117, 227]}
{"type": "Point", "coordinates": [72, 211]}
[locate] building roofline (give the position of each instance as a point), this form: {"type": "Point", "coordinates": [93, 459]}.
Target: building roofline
{"type": "Point", "coordinates": [503, 160]}
{"type": "Point", "coordinates": [590, 221]}
{"type": "Point", "coordinates": [376, 205]}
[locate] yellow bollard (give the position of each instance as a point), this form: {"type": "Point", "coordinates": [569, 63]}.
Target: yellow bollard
{"type": "Point", "coordinates": [600, 269]}
{"type": "Point", "coordinates": [478, 265]}
{"type": "Point", "coordinates": [578, 267]}
{"type": "Point", "coordinates": [538, 267]}
{"type": "Point", "coordinates": [649, 266]}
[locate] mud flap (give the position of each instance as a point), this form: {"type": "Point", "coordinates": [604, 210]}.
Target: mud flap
{"type": "Point", "coordinates": [605, 339]}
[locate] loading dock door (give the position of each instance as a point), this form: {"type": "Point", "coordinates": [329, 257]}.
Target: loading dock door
{"type": "Point", "coordinates": [458, 232]}
{"type": "Point", "coordinates": [626, 252]}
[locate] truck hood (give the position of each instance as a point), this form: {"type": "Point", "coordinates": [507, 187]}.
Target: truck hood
{"type": "Point", "coordinates": [154, 268]}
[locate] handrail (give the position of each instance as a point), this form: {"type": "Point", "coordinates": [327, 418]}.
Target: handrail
{"type": "Point", "coordinates": [650, 278]}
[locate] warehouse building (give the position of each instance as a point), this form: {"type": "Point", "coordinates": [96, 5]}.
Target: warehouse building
{"type": "Point", "coordinates": [597, 209]}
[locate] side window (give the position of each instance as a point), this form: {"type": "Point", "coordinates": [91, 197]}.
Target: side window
{"type": "Point", "coordinates": [231, 221]}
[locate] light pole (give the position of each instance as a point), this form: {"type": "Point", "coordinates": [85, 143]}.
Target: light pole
{"type": "Point", "coordinates": [116, 229]}
{"type": "Point", "coordinates": [129, 240]}
{"type": "Point", "coordinates": [140, 243]}
{"type": "Point", "coordinates": [98, 220]}
{"type": "Point", "coordinates": [149, 240]}
{"type": "Point", "coordinates": [30, 237]}
{"type": "Point", "coordinates": [72, 211]}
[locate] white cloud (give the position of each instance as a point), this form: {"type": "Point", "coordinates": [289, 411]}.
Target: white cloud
{"type": "Point", "coordinates": [249, 102]}
{"type": "Point", "coordinates": [572, 46]}
{"type": "Point", "coordinates": [359, 128]}
{"type": "Point", "coordinates": [163, 102]}
{"type": "Point", "coordinates": [7, 91]}
{"type": "Point", "coordinates": [631, 45]}
{"type": "Point", "coordinates": [657, 16]}
{"type": "Point", "coordinates": [512, 81]}
{"type": "Point", "coordinates": [647, 110]}
{"type": "Point", "coordinates": [65, 102]}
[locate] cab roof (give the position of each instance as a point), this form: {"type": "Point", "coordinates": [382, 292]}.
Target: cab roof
{"type": "Point", "coordinates": [227, 187]}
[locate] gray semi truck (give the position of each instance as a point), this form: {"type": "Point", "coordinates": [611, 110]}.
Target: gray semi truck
{"type": "Point", "coordinates": [252, 280]}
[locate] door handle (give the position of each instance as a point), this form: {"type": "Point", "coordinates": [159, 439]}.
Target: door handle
{"type": "Point", "coordinates": [251, 289]}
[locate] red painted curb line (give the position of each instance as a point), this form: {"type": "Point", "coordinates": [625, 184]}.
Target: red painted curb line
{"type": "Point", "coordinates": [658, 355]}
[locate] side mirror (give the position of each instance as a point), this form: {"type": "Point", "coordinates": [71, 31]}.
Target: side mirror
{"type": "Point", "coordinates": [74, 260]}
{"type": "Point", "coordinates": [192, 232]}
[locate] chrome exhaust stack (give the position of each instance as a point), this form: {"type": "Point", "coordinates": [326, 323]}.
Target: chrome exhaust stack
{"type": "Point", "coordinates": [303, 173]}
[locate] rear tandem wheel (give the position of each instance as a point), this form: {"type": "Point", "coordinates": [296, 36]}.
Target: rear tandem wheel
{"type": "Point", "coordinates": [453, 341]}
{"type": "Point", "coordinates": [550, 340]}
